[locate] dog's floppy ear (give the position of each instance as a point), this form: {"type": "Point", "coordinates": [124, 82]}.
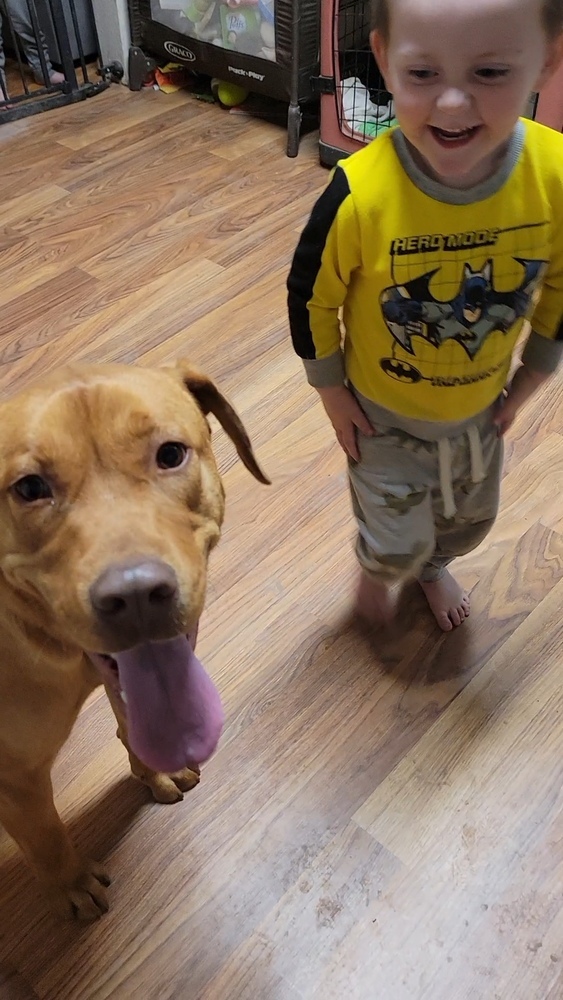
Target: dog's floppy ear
{"type": "Point", "coordinates": [210, 400]}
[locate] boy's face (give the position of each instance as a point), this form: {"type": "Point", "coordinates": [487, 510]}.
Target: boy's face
{"type": "Point", "coordinates": [461, 72]}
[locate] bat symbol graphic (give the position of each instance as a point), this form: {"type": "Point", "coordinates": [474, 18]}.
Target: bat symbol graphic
{"type": "Point", "coordinates": [400, 370]}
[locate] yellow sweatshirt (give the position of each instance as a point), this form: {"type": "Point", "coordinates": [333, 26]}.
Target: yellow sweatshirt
{"type": "Point", "coordinates": [434, 284]}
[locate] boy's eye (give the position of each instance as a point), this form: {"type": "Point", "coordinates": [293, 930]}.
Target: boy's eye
{"type": "Point", "coordinates": [492, 73]}
{"type": "Point", "coordinates": [422, 74]}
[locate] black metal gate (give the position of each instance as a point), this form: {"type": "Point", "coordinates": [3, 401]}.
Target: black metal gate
{"type": "Point", "coordinates": [43, 60]}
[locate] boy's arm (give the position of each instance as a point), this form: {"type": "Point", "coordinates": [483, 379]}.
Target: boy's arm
{"type": "Point", "coordinates": [544, 348]}
{"type": "Point", "coordinates": [540, 361]}
{"type": "Point", "coordinates": [327, 254]}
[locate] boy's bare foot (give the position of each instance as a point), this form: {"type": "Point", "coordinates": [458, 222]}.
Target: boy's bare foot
{"type": "Point", "coordinates": [375, 602]}
{"type": "Point", "coordinates": [448, 601]}
{"type": "Point", "coordinates": [54, 77]}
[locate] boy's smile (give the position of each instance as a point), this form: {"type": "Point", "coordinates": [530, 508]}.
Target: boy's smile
{"type": "Point", "coordinates": [454, 138]}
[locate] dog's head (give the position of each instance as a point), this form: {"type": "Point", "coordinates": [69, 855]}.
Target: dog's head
{"type": "Point", "coordinates": [110, 501]}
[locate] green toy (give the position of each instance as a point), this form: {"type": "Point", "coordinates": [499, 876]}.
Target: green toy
{"type": "Point", "coordinates": [228, 94]}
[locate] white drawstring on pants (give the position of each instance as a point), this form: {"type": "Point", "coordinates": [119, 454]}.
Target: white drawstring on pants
{"type": "Point", "coordinates": [446, 470]}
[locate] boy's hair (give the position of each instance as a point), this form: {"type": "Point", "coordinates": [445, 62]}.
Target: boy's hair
{"type": "Point", "coordinates": [552, 16]}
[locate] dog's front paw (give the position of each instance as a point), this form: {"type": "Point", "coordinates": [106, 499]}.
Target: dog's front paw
{"type": "Point", "coordinates": [167, 788]}
{"type": "Point", "coordinates": [82, 896]}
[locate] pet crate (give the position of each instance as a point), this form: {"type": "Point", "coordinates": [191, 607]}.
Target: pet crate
{"type": "Point", "coordinates": [550, 102]}
{"type": "Point", "coordinates": [269, 47]}
{"type": "Point", "coordinates": [355, 107]}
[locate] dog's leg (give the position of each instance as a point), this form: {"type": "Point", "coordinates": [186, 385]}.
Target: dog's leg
{"type": "Point", "coordinates": [165, 788]}
{"type": "Point", "coordinates": [74, 887]}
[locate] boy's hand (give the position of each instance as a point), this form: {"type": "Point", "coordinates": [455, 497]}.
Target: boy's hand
{"type": "Point", "coordinates": [345, 415]}
{"type": "Point", "coordinates": [524, 384]}
{"type": "Point", "coordinates": [507, 408]}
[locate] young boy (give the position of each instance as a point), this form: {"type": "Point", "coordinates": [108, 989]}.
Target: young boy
{"type": "Point", "coordinates": [435, 241]}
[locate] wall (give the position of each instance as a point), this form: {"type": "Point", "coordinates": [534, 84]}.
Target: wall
{"type": "Point", "coordinates": [112, 24]}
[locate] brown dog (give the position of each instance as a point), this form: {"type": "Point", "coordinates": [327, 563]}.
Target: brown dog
{"type": "Point", "coordinates": [110, 502]}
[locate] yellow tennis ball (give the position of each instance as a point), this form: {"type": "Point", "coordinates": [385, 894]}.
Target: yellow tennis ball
{"type": "Point", "coordinates": [230, 94]}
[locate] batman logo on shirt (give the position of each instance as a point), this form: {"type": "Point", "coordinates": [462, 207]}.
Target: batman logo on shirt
{"type": "Point", "coordinates": [476, 311]}
{"type": "Point", "coordinates": [400, 370]}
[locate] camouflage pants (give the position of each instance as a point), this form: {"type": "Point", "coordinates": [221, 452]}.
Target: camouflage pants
{"type": "Point", "coordinates": [419, 504]}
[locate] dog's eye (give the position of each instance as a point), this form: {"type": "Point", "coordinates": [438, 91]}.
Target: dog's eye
{"type": "Point", "coordinates": [33, 488]}
{"type": "Point", "coordinates": [171, 455]}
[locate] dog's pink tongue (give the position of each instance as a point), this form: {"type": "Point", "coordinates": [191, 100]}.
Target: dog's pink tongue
{"type": "Point", "coordinates": [174, 712]}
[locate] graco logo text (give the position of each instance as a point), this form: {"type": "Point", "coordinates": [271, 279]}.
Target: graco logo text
{"type": "Point", "coordinates": [180, 51]}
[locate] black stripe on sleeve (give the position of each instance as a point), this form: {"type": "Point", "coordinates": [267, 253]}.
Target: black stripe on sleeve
{"type": "Point", "coordinates": [559, 334]}
{"type": "Point", "coordinates": [307, 261]}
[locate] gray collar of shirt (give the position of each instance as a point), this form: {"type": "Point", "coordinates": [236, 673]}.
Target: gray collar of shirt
{"type": "Point", "coordinates": [453, 196]}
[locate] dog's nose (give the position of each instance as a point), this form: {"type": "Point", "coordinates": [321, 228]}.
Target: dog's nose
{"type": "Point", "coordinates": [135, 601]}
